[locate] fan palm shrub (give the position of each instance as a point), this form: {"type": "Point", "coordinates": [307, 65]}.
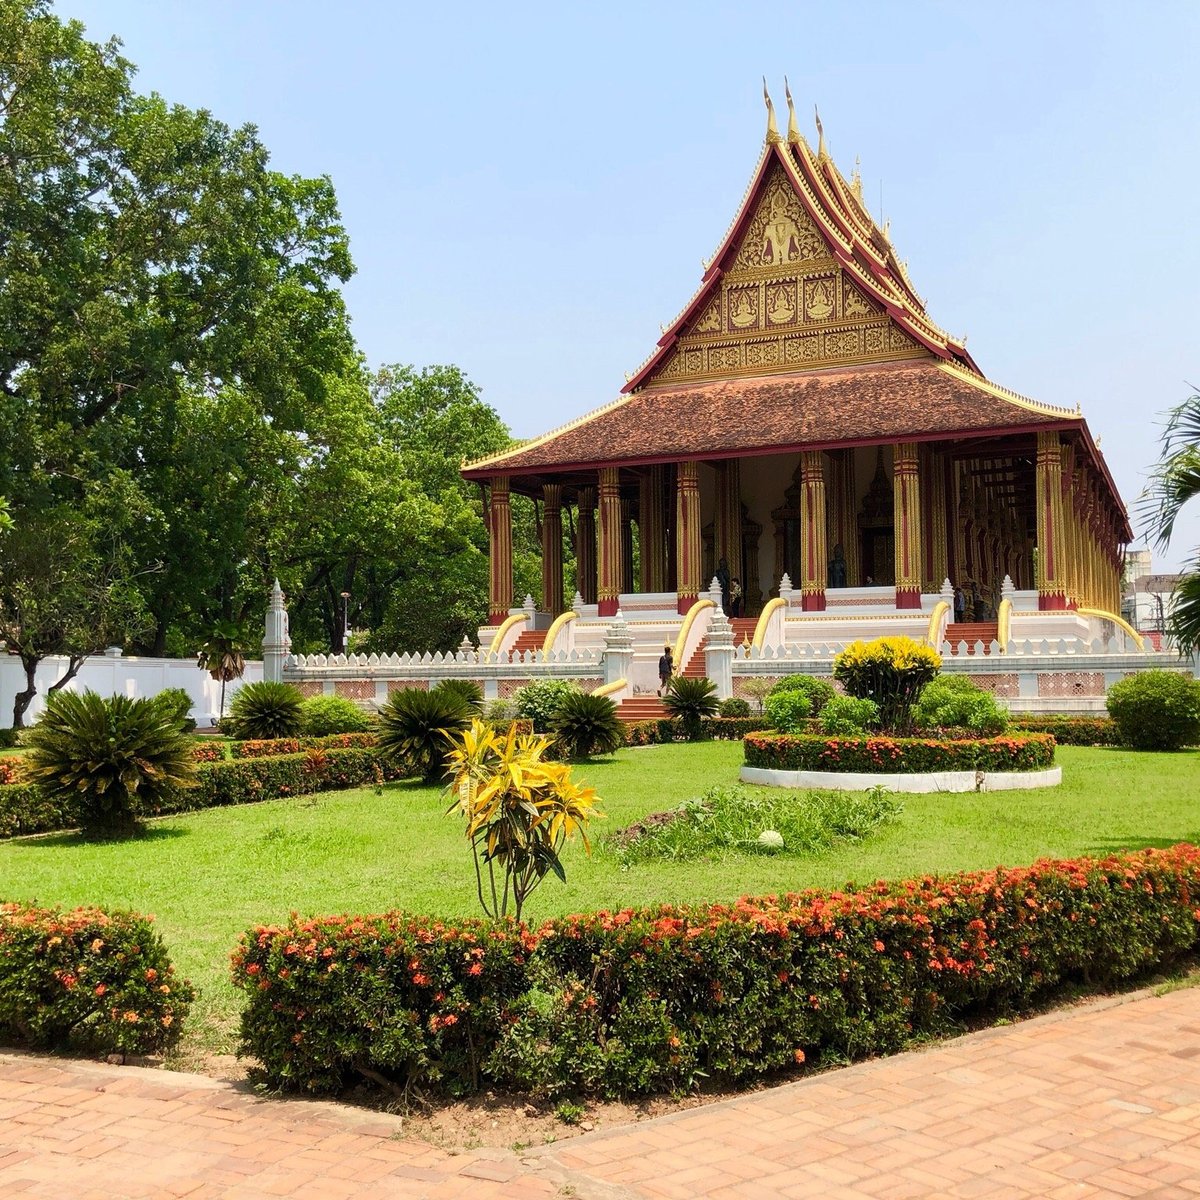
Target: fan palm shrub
{"type": "Point", "coordinates": [690, 701]}
{"type": "Point", "coordinates": [417, 729]}
{"type": "Point", "coordinates": [110, 760]}
{"type": "Point", "coordinates": [469, 691]}
{"type": "Point", "coordinates": [266, 710]}
{"type": "Point", "coordinates": [587, 724]}
{"type": "Point", "coordinates": [222, 657]}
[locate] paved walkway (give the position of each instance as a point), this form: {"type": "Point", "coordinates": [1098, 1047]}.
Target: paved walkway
{"type": "Point", "coordinates": [1102, 1100]}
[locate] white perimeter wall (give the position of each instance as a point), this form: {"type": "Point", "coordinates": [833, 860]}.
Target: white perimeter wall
{"type": "Point", "coordinates": [122, 676]}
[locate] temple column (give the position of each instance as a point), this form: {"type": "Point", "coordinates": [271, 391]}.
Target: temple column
{"type": "Point", "coordinates": [652, 531]}
{"type": "Point", "coordinates": [500, 581]}
{"type": "Point", "coordinates": [608, 570]}
{"type": "Point", "coordinates": [626, 547]}
{"type": "Point", "coordinates": [814, 555]}
{"type": "Point", "coordinates": [843, 510]}
{"type": "Point", "coordinates": [1051, 592]}
{"type": "Point", "coordinates": [552, 566]}
{"type": "Point", "coordinates": [906, 484]}
{"type": "Point", "coordinates": [727, 522]}
{"type": "Point", "coordinates": [687, 534]}
{"type": "Point", "coordinates": [933, 497]}
{"type": "Point", "coordinates": [585, 545]}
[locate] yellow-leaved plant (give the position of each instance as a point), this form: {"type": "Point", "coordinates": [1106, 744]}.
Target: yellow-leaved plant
{"type": "Point", "coordinates": [519, 810]}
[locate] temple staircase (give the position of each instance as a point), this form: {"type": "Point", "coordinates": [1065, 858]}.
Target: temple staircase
{"type": "Point", "coordinates": [971, 632]}
{"type": "Point", "coordinates": [743, 631]}
{"type": "Point", "coordinates": [530, 639]}
{"type": "Point", "coordinates": [641, 708]}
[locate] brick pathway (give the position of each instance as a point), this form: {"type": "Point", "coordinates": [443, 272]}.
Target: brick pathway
{"type": "Point", "coordinates": [1099, 1101]}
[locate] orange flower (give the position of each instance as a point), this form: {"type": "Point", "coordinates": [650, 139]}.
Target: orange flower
{"type": "Point", "coordinates": [798, 1055]}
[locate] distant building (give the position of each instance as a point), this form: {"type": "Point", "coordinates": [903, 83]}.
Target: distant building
{"type": "Point", "coordinates": [1146, 604]}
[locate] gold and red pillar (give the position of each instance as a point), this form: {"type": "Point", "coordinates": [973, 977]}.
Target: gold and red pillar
{"type": "Point", "coordinates": [585, 544]}
{"type": "Point", "coordinates": [1050, 565]}
{"type": "Point", "coordinates": [906, 495]}
{"type": "Point", "coordinates": [500, 573]}
{"type": "Point", "coordinates": [626, 547]}
{"type": "Point", "coordinates": [652, 531]}
{"type": "Point", "coordinates": [608, 569]}
{"type": "Point", "coordinates": [814, 556]}
{"type": "Point", "coordinates": [552, 566]}
{"type": "Point", "coordinates": [843, 510]}
{"type": "Point", "coordinates": [687, 534]}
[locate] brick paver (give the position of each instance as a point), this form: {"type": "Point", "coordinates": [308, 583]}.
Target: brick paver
{"type": "Point", "coordinates": [1102, 1100]}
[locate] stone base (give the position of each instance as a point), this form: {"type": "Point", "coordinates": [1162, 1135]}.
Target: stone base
{"type": "Point", "coordinates": [931, 781]}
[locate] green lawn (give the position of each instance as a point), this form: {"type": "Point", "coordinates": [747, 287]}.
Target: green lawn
{"type": "Point", "coordinates": [206, 876]}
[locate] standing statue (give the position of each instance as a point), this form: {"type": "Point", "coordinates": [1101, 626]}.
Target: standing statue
{"type": "Point", "coordinates": [723, 580]}
{"type": "Point", "coordinates": [836, 574]}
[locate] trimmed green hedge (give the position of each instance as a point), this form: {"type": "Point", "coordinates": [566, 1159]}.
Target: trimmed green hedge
{"type": "Point", "coordinates": [24, 809]}
{"type": "Point", "coordinates": [1069, 731]}
{"type": "Point", "coordinates": [653, 733]}
{"type": "Point", "coordinates": [877, 754]}
{"type": "Point", "coordinates": [87, 980]}
{"type": "Point", "coordinates": [644, 1001]}
{"type": "Point", "coordinates": [8, 738]}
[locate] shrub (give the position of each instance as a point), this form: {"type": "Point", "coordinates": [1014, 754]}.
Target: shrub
{"type": "Point", "coordinates": [653, 733]}
{"type": "Point", "coordinates": [892, 671]}
{"type": "Point", "coordinates": [955, 702]}
{"type": "Point", "coordinates": [538, 701]}
{"type": "Point", "coordinates": [734, 707]}
{"type": "Point", "coordinates": [732, 819]}
{"type": "Point", "coordinates": [585, 725]}
{"type": "Point", "coordinates": [847, 716]}
{"type": "Point", "coordinates": [519, 811]}
{"type": "Point", "coordinates": [690, 701]}
{"type": "Point", "coordinates": [1156, 710]}
{"type": "Point", "coordinates": [9, 738]}
{"type": "Point", "coordinates": [417, 728]}
{"type": "Point", "coordinates": [323, 715]}
{"type": "Point", "coordinates": [881, 755]}
{"type": "Point", "coordinates": [467, 690]}
{"type": "Point", "coordinates": [1069, 731]}
{"type": "Point", "coordinates": [181, 702]}
{"type": "Point", "coordinates": [500, 712]}
{"type": "Point", "coordinates": [270, 747]}
{"type": "Point", "coordinates": [788, 711]}
{"type": "Point", "coordinates": [108, 761]}
{"type": "Point", "coordinates": [758, 689]}
{"type": "Point", "coordinates": [87, 980]}
{"type": "Point", "coordinates": [818, 691]}
{"type": "Point", "coordinates": [10, 770]}
{"type": "Point", "coordinates": [648, 1000]}
{"type": "Point", "coordinates": [264, 710]}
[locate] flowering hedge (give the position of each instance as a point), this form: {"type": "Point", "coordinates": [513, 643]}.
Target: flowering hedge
{"type": "Point", "coordinates": [9, 769]}
{"type": "Point", "coordinates": [24, 809]}
{"type": "Point", "coordinates": [270, 747]}
{"type": "Point", "coordinates": [1070, 731]}
{"type": "Point", "coordinates": [646, 1000]}
{"type": "Point", "coordinates": [87, 980]}
{"type": "Point", "coordinates": [877, 754]}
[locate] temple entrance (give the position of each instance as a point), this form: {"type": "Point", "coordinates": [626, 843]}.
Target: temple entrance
{"type": "Point", "coordinates": [879, 556]}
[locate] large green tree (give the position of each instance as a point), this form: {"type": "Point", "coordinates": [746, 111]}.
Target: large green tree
{"type": "Point", "coordinates": [1175, 482]}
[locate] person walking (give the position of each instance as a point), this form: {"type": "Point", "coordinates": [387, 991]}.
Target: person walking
{"type": "Point", "coordinates": [666, 668]}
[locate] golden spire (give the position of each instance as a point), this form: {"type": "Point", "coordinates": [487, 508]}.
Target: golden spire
{"type": "Point", "coordinates": [821, 151]}
{"type": "Point", "coordinates": [793, 129]}
{"type": "Point", "coordinates": [772, 129]}
{"type": "Point", "coordinates": [856, 180]}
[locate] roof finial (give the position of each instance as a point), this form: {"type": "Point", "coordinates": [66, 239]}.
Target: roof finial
{"type": "Point", "coordinates": [856, 179]}
{"type": "Point", "coordinates": [772, 128]}
{"type": "Point", "coordinates": [793, 128]}
{"type": "Point", "coordinates": [821, 151]}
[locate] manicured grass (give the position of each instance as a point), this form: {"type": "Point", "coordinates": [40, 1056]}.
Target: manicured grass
{"type": "Point", "coordinates": [206, 876]}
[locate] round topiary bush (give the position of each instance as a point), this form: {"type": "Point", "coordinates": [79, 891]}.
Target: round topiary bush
{"type": "Point", "coordinates": [818, 691]}
{"type": "Point", "coordinates": [734, 707]}
{"type": "Point", "coordinates": [321, 716]}
{"type": "Point", "coordinates": [787, 711]}
{"type": "Point", "coordinates": [848, 716]}
{"type": "Point", "coordinates": [955, 702]}
{"type": "Point", "coordinates": [1156, 710]}
{"type": "Point", "coordinates": [265, 710]}
{"type": "Point", "coordinates": [539, 701]}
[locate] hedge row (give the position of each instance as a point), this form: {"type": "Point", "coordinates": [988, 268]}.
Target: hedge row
{"type": "Point", "coordinates": [652, 733]}
{"type": "Point", "coordinates": [9, 772]}
{"type": "Point", "coordinates": [1070, 731]}
{"type": "Point", "coordinates": [212, 750]}
{"type": "Point", "coordinates": [87, 980]}
{"type": "Point", "coordinates": [876, 754]}
{"type": "Point", "coordinates": [643, 1001]}
{"type": "Point", "coordinates": [25, 810]}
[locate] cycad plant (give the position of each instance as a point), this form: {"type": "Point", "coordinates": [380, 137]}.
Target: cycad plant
{"type": "Point", "coordinates": [689, 701]}
{"type": "Point", "coordinates": [467, 690]}
{"type": "Point", "coordinates": [266, 710]}
{"type": "Point", "coordinates": [587, 724]}
{"type": "Point", "coordinates": [416, 728]}
{"type": "Point", "coordinates": [519, 811]}
{"type": "Point", "coordinates": [110, 760]}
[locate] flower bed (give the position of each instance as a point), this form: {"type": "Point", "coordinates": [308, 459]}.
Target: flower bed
{"type": "Point", "coordinates": [644, 1001]}
{"type": "Point", "coordinates": [87, 980]}
{"type": "Point", "coordinates": [873, 754]}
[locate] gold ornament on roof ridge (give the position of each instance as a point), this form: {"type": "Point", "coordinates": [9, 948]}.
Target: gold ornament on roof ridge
{"type": "Point", "coordinates": [793, 127]}
{"type": "Point", "coordinates": [822, 151]}
{"type": "Point", "coordinates": [772, 129]}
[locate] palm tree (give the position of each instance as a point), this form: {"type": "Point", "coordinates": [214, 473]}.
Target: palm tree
{"type": "Point", "coordinates": [1174, 482]}
{"type": "Point", "coordinates": [221, 656]}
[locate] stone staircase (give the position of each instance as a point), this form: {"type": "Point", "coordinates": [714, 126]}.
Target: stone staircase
{"type": "Point", "coordinates": [972, 632]}
{"type": "Point", "coordinates": [743, 631]}
{"type": "Point", "coordinates": [530, 639]}
{"type": "Point", "coordinates": [641, 708]}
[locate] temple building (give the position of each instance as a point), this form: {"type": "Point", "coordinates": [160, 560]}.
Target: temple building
{"type": "Point", "coordinates": [804, 428]}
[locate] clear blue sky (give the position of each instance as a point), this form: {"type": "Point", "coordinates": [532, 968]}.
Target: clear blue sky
{"type": "Point", "coordinates": [530, 188]}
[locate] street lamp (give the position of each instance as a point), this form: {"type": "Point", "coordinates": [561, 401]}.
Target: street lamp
{"type": "Point", "coordinates": [345, 622]}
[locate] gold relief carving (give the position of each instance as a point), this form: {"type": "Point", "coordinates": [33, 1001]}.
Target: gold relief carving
{"type": "Point", "coordinates": [724, 358]}
{"type": "Point", "coordinates": [873, 339]}
{"type": "Point", "coordinates": [693, 362]}
{"type": "Point", "coordinates": [898, 340]}
{"type": "Point", "coordinates": [781, 302]}
{"type": "Point", "coordinates": [854, 304]}
{"type": "Point", "coordinates": [762, 354]}
{"type": "Point", "coordinates": [743, 305]}
{"type": "Point", "coordinates": [819, 299]}
{"type": "Point", "coordinates": [710, 322]}
{"type": "Point", "coordinates": [844, 343]}
{"type": "Point", "coordinates": [780, 231]}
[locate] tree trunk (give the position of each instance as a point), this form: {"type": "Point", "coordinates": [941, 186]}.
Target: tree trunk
{"type": "Point", "coordinates": [22, 700]}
